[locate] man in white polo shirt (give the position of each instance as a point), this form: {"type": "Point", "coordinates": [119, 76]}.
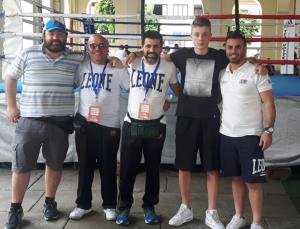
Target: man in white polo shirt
{"type": "Point", "coordinates": [247, 122]}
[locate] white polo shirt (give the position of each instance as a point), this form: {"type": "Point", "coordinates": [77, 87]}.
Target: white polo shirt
{"type": "Point", "coordinates": [242, 106]}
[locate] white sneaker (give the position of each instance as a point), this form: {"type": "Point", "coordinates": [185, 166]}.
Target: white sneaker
{"type": "Point", "coordinates": [78, 213]}
{"type": "Point", "coordinates": [110, 214]}
{"type": "Point", "coordinates": [256, 226]}
{"type": "Point", "coordinates": [236, 222]}
{"type": "Point", "coordinates": [212, 219]}
{"type": "Point", "coordinates": [183, 215]}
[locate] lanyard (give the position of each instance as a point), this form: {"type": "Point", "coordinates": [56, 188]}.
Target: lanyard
{"type": "Point", "coordinates": [148, 83]}
{"type": "Point", "coordinates": [97, 87]}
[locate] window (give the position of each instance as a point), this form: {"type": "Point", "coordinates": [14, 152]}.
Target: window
{"type": "Point", "coordinates": [180, 10]}
{"type": "Point", "coordinates": [160, 9]}
{"type": "Point", "coordinates": [198, 10]}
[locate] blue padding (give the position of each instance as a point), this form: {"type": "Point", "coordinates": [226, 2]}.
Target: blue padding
{"type": "Point", "coordinates": [19, 87]}
{"type": "Point", "coordinates": [282, 86]}
{"type": "Point", "coordinates": [286, 85]}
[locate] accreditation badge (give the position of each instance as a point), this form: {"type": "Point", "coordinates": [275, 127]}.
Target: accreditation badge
{"type": "Point", "coordinates": [95, 114]}
{"type": "Point", "coordinates": [145, 110]}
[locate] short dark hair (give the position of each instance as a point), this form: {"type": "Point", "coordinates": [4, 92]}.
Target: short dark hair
{"type": "Point", "coordinates": [201, 21]}
{"type": "Point", "coordinates": [236, 35]}
{"type": "Point", "coordinates": [152, 35]}
{"type": "Point", "coordinates": [167, 48]}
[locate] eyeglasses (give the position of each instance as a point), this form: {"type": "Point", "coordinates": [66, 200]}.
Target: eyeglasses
{"type": "Point", "coordinates": [100, 46]}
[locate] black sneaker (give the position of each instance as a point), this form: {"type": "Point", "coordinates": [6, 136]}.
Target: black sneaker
{"type": "Point", "coordinates": [14, 218]}
{"type": "Point", "coordinates": [50, 211]}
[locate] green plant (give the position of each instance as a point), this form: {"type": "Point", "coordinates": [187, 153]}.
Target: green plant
{"type": "Point", "coordinates": [105, 7]}
{"type": "Point", "coordinates": [248, 27]}
{"type": "Point", "coordinates": [149, 11]}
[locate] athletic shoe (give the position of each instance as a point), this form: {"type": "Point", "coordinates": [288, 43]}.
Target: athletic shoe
{"type": "Point", "coordinates": [236, 222]}
{"type": "Point", "coordinates": [256, 226]}
{"type": "Point", "coordinates": [50, 211]}
{"type": "Point", "coordinates": [150, 216]}
{"type": "Point", "coordinates": [14, 218]}
{"type": "Point", "coordinates": [212, 219]}
{"type": "Point", "coordinates": [78, 213]}
{"type": "Point", "coordinates": [183, 215]}
{"type": "Point", "coordinates": [123, 217]}
{"type": "Point", "coordinates": [110, 214]}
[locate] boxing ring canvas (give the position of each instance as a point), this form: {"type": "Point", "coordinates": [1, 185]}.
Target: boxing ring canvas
{"type": "Point", "coordinates": [285, 150]}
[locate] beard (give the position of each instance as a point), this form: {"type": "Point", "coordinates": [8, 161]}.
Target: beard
{"type": "Point", "coordinates": [151, 57]}
{"type": "Point", "coordinates": [58, 46]}
{"type": "Point", "coordinates": [236, 59]}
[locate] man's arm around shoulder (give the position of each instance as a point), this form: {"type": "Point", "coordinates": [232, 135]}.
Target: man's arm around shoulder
{"type": "Point", "coordinates": [139, 53]}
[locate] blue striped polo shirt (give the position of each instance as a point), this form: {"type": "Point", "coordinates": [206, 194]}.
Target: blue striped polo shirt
{"type": "Point", "coordinates": [48, 84]}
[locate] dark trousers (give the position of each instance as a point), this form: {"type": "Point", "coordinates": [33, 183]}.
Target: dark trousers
{"type": "Point", "coordinates": [132, 149]}
{"type": "Point", "coordinates": [97, 147]}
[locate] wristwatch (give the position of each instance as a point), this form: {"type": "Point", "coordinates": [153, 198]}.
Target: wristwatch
{"type": "Point", "coordinates": [269, 130]}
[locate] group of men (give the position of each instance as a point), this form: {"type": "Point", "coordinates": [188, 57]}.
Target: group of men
{"type": "Point", "coordinates": [50, 72]}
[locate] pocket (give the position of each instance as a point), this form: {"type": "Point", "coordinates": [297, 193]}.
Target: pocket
{"type": "Point", "coordinates": [21, 124]}
{"type": "Point", "coordinates": [18, 159]}
{"type": "Point", "coordinates": [14, 154]}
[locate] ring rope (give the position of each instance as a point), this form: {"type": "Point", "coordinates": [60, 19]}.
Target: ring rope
{"type": "Point", "coordinates": [166, 37]}
{"type": "Point", "coordinates": [37, 4]}
{"type": "Point", "coordinates": [251, 16]}
{"type": "Point", "coordinates": [186, 24]}
{"type": "Point", "coordinates": [281, 62]}
{"type": "Point", "coordinates": [137, 16]}
{"type": "Point", "coordinates": [48, 15]}
{"type": "Point", "coordinates": [262, 39]}
{"type": "Point", "coordinates": [260, 61]}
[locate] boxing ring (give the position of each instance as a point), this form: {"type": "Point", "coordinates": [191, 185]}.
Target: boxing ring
{"type": "Point", "coordinates": [285, 150]}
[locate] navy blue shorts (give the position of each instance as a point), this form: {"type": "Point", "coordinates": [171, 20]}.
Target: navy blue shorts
{"type": "Point", "coordinates": [242, 156]}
